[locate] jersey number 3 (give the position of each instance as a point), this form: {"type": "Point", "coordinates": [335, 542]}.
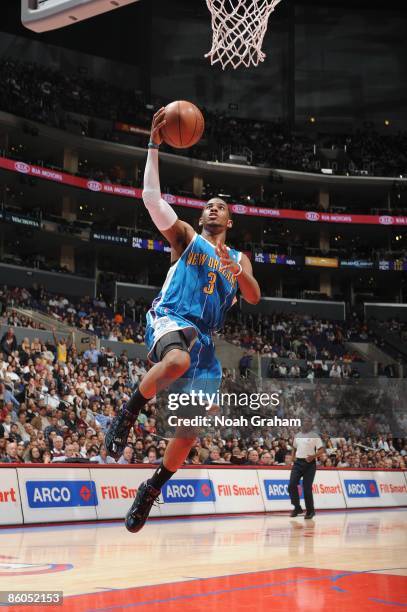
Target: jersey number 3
{"type": "Point", "coordinates": [210, 287]}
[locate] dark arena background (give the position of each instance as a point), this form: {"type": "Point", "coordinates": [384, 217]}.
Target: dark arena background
{"type": "Point", "coordinates": [309, 152]}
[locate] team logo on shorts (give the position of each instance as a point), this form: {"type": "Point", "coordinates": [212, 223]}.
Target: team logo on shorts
{"type": "Point", "coordinates": [22, 167]}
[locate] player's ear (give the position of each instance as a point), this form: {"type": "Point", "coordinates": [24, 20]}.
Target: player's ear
{"type": "Point", "coordinates": [200, 222]}
{"type": "Point", "coordinates": [229, 224]}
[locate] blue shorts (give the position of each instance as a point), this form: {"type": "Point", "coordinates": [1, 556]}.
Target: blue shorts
{"type": "Point", "coordinates": [205, 371]}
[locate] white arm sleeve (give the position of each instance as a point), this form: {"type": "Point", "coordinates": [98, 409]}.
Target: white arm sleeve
{"type": "Point", "coordinates": [160, 211]}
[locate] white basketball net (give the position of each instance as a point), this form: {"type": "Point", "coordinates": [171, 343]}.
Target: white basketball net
{"type": "Point", "coordinates": [238, 28]}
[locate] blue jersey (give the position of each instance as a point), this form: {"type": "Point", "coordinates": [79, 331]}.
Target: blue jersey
{"type": "Point", "coordinates": [195, 289]}
{"type": "Point", "coordinates": [194, 299]}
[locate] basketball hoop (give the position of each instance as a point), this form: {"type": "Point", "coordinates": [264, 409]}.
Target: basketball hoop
{"type": "Point", "coordinates": [238, 29]}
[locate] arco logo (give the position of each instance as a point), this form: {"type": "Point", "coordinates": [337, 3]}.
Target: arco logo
{"type": "Point", "coordinates": [206, 490]}
{"type": "Point", "coordinates": [61, 493]}
{"type": "Point", "coordinates": [188, 490]}
{"type": "Point", "coordinates": [361, 488]}
{"type": "Point", "coordinates": [277, 489]}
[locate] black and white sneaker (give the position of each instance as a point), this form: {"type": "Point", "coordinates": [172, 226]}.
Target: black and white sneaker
{"type": "Point", "coordinates": [118, 432]}
{"type": "Point", "coordinates": [140, 509]}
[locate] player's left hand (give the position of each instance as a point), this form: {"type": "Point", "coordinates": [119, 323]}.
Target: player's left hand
{"type": "Point", "coordinates": [310, 458]}
{"type": "Point", "coordinates": [226, 262]}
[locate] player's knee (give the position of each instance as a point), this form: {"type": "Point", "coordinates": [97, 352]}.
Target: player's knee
{"type": "Point", "coordinates": [176, 363]}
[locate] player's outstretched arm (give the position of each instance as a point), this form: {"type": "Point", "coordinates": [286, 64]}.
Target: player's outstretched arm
{"type": "Point", "coordinates": [177, 232]}
{"type": "Point", "coordinates": [248, 285]}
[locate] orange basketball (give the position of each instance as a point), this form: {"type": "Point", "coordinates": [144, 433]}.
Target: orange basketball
{"type": "Point", "coordinates": [185, 124]}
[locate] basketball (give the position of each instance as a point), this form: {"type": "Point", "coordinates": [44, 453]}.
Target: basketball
{"type": "Point", "coordinates": [184, 124]}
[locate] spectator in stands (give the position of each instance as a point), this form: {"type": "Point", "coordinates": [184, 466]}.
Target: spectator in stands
{"type": "Point", "coordinates": [103, 457]}
{"type": "Point", "coordinates": [8, 343]}
{"type": "Point", "coordinates": [70, 453]}
{"type": "Point", "coordinates": [58, 447]}
{"type": "Point", "coordinates": [62, 346]}
{"type": "Point", "coordinates": [11, 454]}
{"type": "Point", "coordinates": [41, 421]}
{"type": "Point", "coordinates": [252, 457]}
{"type": "Point", "coordinates": [336, 371]}
{"type": "Point", "coordinates": [267, 458]}
{"type": "Point", "coordinates": [92, 354]}
{"type": "Point", "coordinates": [281, 452]}
{"type": "Point", "coordinates": [127, 456]}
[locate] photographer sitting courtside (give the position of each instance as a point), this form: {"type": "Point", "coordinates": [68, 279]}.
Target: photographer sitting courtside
{"type": "Point", "coordinates": [307, 448]}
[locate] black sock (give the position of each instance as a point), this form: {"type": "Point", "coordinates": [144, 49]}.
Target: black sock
{"type": "Point", "coordinates": [160, 477]}
{"type": "Point", "coordinates": [135, 404]}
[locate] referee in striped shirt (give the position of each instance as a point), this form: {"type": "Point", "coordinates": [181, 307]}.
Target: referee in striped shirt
{"type": "Point", "coordinates": [307, 448]}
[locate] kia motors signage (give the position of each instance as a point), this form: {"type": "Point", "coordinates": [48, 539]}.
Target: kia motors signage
{"type": "Point", "coordinates": [238, 209]}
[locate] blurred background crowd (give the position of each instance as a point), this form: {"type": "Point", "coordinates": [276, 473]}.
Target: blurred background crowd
{"type": "Point", "coordinates": [56, 404]}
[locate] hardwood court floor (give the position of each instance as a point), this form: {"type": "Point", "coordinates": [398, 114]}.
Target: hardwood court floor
{"type": "Point", "coordinates": [355, 561]}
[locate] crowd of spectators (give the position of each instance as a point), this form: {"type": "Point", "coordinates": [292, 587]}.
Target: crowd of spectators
{"type": "Point", "coordinates": [277, 336]}
{"type": "Point", "coordinates": [56, 405]}
{"type": "Point", "coordinates": [49, 96]}
{"type": "Point", "coordinates": [85, 314]}
{"type": "Point", "coordinates": [295, 336]}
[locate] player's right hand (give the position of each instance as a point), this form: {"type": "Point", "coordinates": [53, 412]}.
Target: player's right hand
{"type": "Point", "coordinates": [157, 124]}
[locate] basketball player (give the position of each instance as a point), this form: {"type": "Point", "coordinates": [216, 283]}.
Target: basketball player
{"type": "Point", "coordinates": [200, 287]}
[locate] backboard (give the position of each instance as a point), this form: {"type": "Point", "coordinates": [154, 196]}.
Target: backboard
{"type": "Point", "coordinates": [45, 15]}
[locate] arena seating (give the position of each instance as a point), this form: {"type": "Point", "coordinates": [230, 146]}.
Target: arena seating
{"type": "Point", "coordinates": [49, 96]}
{"type": "Point", "coordinates": [54, 410]}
